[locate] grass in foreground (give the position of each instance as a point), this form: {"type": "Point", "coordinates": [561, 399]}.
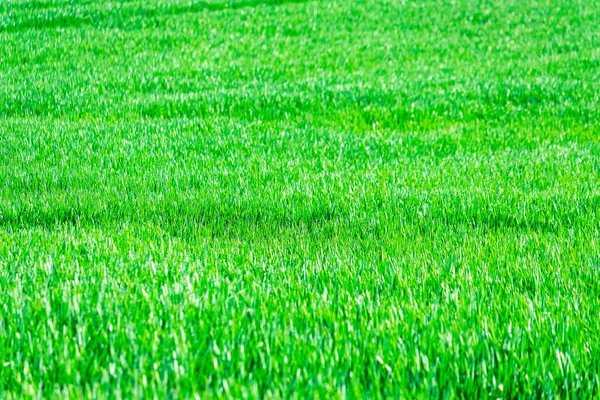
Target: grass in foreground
{"type": "Point", "coordinates": [299, 199]}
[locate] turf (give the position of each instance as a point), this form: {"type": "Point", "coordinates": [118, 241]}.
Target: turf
{"type": "Point", "coordinates": [300, 199]}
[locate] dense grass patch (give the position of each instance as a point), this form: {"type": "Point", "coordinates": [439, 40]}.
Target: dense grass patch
{"type": "Point", "coordinates": [299, 199]}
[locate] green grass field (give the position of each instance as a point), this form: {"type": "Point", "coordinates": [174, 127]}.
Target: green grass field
{"type": "Point", "coordinates": [300, 199]}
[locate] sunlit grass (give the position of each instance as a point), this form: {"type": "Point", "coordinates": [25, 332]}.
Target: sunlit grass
{"type": "Point", "coordinates": [299, 199]}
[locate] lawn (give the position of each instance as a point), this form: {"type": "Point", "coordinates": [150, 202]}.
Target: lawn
{"type": "Point", "coordinates": [299, 199]}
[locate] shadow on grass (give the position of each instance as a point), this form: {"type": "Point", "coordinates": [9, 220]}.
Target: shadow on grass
{"type": "Point", "coordinates": [184, 221]}
{"type": "Point", "coordinates": [126, 17]}
{"type": "Point", "coordinates": [369, 221]}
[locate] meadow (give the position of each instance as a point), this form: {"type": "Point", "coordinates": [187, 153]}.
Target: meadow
{"type": "Point", "coordinates": [299, 199]}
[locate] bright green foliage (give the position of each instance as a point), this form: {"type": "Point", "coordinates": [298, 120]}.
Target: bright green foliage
{"type": "Point", "coordinates": [254, 198]}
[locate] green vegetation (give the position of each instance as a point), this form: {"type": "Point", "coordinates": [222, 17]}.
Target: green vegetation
{"type": "Point", "coordinates": [394, 198]}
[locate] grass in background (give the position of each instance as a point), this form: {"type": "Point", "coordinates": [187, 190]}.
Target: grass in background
{"type": "Point", "coordinates": [299, 198]}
